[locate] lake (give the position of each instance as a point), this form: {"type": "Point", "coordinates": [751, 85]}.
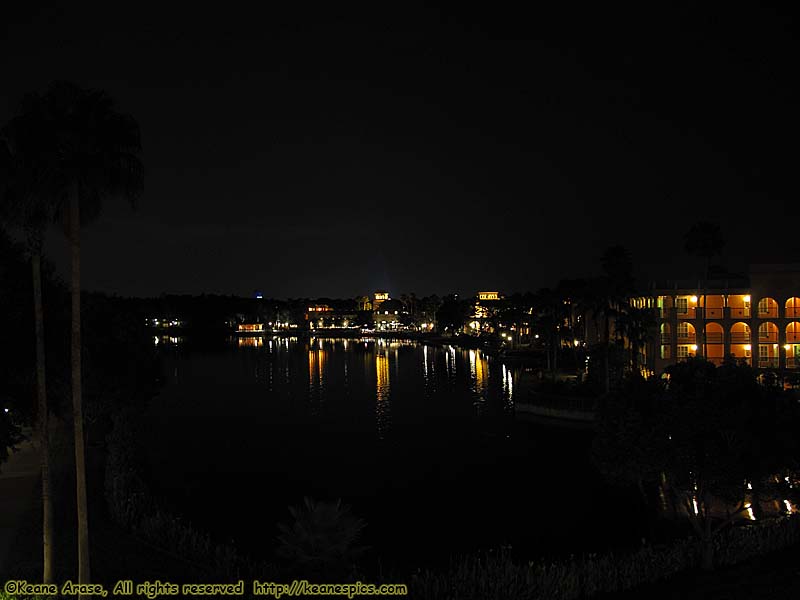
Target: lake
{"type": "Point", "coordinates": [421, 441]}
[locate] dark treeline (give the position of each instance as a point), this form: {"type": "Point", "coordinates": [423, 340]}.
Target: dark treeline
{"type": "Point", "coordinates": [120, 370]}
{"type": "Point", "coordinates": [118, 352]}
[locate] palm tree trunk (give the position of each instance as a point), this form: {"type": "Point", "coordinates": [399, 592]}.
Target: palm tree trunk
{"type": "Point", "coordinates": [77, 404]}
{"type": "Point", "coordinates": [705, 302]}
{"type": "Point", "coordinates": [606, 342]}
{"type": "Point", "coordinates": [44, 435]}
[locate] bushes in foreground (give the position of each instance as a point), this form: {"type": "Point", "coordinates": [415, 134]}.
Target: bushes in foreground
{"type": "Point", "coordinates": [497, 577]}
{"type": "Point", "coordinates": [487, 576]}
{"type": "Point", "coordinates": [132, 506]}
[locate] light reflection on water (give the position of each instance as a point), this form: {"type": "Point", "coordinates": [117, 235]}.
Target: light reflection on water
{"type": "Point", "coordinates": [399, 430]}
{"type": "Point", "coordinates": [335, 376]}
{"type": "Point", "coordinates": [479, 373]}
{"type": "Point", "coordinates": [382, 390]}
{"type": "Point", "coordinates": [168, 340]}
{"type": "Point", "coordinates": [316, 377]}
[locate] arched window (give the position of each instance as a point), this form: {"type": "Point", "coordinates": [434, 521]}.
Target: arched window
{"type": "Point", "coordinates": [767, 308]}
{"type": "Point", "coordinates": [793, 307]}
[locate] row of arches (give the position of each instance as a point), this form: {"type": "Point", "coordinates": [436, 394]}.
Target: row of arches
{"type": "Point", "coordinates": [739, 304]}
{"type": "Point", "coordinates": [768, 307]}
{"type": "Point", "coordinates": [739, 333]}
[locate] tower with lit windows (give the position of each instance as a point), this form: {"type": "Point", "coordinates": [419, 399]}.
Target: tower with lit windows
{"type": "Point", "coordinates": [379, 298]}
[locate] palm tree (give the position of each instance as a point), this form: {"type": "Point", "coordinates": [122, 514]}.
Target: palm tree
{"type": "Point", "coordinates": [87, 152]}
{"type": "Point", "coordinates": [606, 299]}
{"type": "Point", "coordinates": [322, 538]}
{"type": "Point", "coordinates": [704, 240]}
{"type": "Point", "coordinates": [25, 203]}
{"type": "Point", "coordinates": [549, 307]}
{"type": "Point", "coordinates": [636, 325]}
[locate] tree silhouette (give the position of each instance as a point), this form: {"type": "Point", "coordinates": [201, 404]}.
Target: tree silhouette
{"type": "Point", "coordinates": [701, 437]}
{"type": "Point", "coordinates": [322, 538]}
{"type": "Point", "coordinates": [85, 152]}
{"type": "Point", "coordinates": [704, 240]}
{"type": "Point", "coordinates": [27, 201]}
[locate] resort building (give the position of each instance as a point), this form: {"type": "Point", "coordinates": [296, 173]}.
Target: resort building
{"type": "Point", "coordinates": [489, 296]}
{"type": "Point", "coordinates": [250, 328]}
{"type": "Point", "coordinates": [389, 315]}
{"type": "Point", "coordinates": [754, 319]}
{"type": "Point", "coordinates": [379, 298]}
{"type": "Point", "coordinates": [323, 316]}
{"type": "Point", "coordinates": [484, 309]}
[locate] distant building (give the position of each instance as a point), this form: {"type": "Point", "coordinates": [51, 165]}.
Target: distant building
{"type": "Point", "coordinates": [250, 328]}
{"type": "Point", "coordinates": [323, 316]}
{"type": "Point", "coordinates": [164, 322]}
{"type": "Point", "coordinates": [389, 315]}
{"type": "Point", "coordinates": [484, 309]}
{"type": "Point", "coordinates": [319, 308]}
{"type": "Point", "coordinates": [379, 298]}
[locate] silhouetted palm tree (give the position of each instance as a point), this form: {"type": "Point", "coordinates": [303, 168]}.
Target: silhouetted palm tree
{"type": "Point", "coordinates": [322, 538]}
{"type": "Point", "coordinates": [704, 240]}
{"type": "Point", "coordinates": [636, 325]}
{"type": "Point", "coordinates": [87, 152]}
{"type": "Point", "coordinates": [549, 310]}
{"type": "Point", "coordinates": [26, 202]}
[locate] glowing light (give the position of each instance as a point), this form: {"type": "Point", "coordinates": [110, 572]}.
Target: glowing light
{"type": "Point", "coordinates": [694, 347]}
{"type": "Point", "coordinates": [747, 298]}
{"type": "Point", "coordinates": [155, 339]}
{"type": "Point", "coordinates": [749, 486]}
{"type": "Point", "coordinates": [694, 505]}
{"type": "Point", "coordinates": [787, 347]}
{"type": "Point", "coordinates": [747, 347]}
{"type": "Point", "coordinates": [694, 298]}
{"type": "Point", "coordinates": [5, 410]}
{"type": "Point", "coordinates": [750, 513]}
{"type": "Point", "coordinates": [786, 503]}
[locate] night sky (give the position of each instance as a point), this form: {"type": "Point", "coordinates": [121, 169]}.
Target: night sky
{"type": "Point", "coordinates": [324, 153]}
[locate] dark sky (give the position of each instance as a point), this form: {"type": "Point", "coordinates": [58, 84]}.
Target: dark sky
{"type": "Point", "coordinates": [324, 153]}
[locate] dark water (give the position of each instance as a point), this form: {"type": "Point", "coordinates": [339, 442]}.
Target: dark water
{"type": "Point", "coordinates": [421, 441]}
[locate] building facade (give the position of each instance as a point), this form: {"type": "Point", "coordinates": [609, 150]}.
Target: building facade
{"type": "Point", "coordinates": [755, 319]}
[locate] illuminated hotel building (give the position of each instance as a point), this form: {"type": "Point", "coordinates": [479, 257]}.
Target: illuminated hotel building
{"type": "Point", "coordinates": [756, 320]}
{"type": "Point", "coordinates": [379, 298]}
{"type": "Point", "coordinates": [484, 307]}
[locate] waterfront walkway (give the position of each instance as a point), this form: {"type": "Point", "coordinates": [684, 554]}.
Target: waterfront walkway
{"type": "Point", "coordinates": [19, 479]}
